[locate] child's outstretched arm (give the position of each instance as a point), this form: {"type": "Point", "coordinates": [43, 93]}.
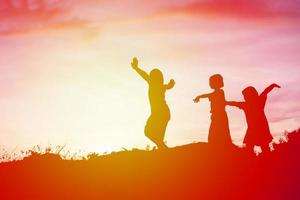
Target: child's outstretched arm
{"type": "Point", "coordinates": [170, 85]}
{"type": "Point", "coordinates": [197, 99]}
{"type": "Point", "coordinates": [142, 73]}
{"type": "Point", "coordinates": [269, 89]}
{"type": "Point", "coordinates": [235, 103]}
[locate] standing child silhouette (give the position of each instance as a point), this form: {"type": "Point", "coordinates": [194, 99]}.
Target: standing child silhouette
{"type": "Point", "coordinates": [160, 114]}
{"type": "Point", "coordinates": [219, 134]}
{"type": "Point", "coordinates": [258, 131]}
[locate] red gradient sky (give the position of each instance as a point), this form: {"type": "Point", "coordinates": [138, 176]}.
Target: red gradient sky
{"type": "Point", "coordinates": [65, 76]}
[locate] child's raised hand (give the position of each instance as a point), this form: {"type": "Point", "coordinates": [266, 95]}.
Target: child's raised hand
{"type": "Point", "coordinates": [171, 83]}
{"type": "Point", "coordinates": [275, 85]}
{"type": "Point", "coordinates": [197, 99]}
{"type": "Point", "coordinates": [134, 63]}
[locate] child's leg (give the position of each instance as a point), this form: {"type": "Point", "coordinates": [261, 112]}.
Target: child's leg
{"type": "Point", "coordinates": [265, 148]}
{"type": "Point", "coordinates": [250, 148]}
{"type": "Point", "coordinates": [159, 143]}
{"type": "Point", "coordinates": [162, 130]}
{"type": "Point", "coordinates": [150, 130]}
{"type": "Point", "coordinates": [149, 134]}
{"type": "Point", "coordinates": [153, 132]}
{"type": "Point", "coordinates": [162, 145]}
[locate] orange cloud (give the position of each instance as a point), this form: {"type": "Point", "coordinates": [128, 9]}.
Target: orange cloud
{"type": "Point", "coordinates": [243, 9]}
{"type": "Point", "coordinates": [23, 16]}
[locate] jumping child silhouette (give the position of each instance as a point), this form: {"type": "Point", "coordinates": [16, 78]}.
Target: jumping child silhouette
{"type": "Point", "coordinates": [258, 132]}
{"type": "Point", "coordinates": [160, 114]}
{"type": "Point", "coordinates": [219, 133]}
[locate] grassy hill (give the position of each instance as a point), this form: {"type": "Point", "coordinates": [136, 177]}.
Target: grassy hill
{"type": "Point", "coordinates": [194, 171]}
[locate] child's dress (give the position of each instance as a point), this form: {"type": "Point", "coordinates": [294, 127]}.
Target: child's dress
{"type": "Point", "coordinates": [160, 114]}
{"type": "Point", "coordinates": [258, 132]}
{"type": "Point", "coordinates": [219, 132]}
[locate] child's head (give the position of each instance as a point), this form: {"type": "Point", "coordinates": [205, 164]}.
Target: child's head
{"type": "Point", "coordinates": [250, 94]}
{"type": "Point", "coordinates": [156, 77]}
{"type": "Point", "coordinates": [216, 81]}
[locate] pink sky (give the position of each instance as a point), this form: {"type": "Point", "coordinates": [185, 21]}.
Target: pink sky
{"type": "Point", "coordinates": [65, 74]}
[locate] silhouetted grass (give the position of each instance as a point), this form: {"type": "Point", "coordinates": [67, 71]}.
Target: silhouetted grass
{"type": "Point", "coordinates": [194, 171]}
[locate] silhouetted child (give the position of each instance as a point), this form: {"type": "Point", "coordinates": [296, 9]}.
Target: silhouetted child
{"type": "Point", "coordinates": [258, 132]}
{"type": "Point", "coordinates": [219, 133]}
{"type": "Point", "coordinates": [160, 114]}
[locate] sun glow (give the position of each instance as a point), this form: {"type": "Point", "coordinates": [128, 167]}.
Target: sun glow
{"type": "Point", "coordinates": [71, 82]}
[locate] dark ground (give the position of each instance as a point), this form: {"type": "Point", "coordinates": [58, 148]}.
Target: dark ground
{"type": "Point", "coordinates": [195, 171]}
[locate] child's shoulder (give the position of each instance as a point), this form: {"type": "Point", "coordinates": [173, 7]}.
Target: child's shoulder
{"type": "Point", "coordinates": [218, 92]}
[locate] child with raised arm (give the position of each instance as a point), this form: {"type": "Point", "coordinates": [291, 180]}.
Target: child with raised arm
{"type": "Point", "coordinates": [160, 114]}
{"type": "Point", "coordinates": [219, 133]}
{"type": "Point", "coordinates": [258, 132]}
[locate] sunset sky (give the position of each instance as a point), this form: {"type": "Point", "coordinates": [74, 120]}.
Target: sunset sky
{"type": "Point", "coordinates": [65, 75]}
